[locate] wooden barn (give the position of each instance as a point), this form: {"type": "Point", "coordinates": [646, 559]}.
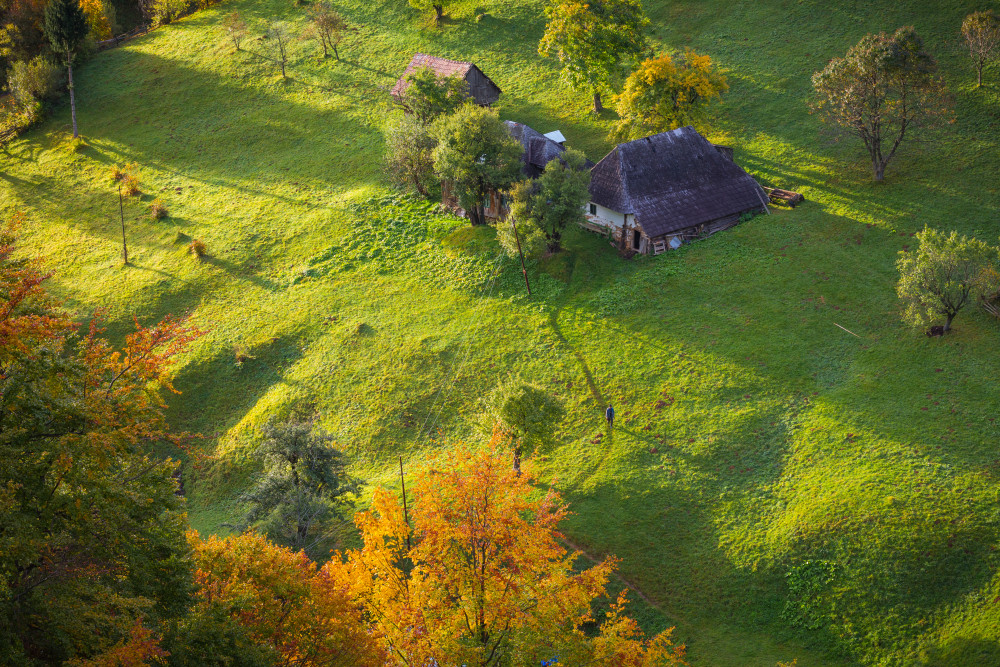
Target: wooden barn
{"type": "Point", "coordinates": [661, 191]}
{"type": "Point", "coordinates": [537, 151]}
{"type": "Point", "coordinates": [480, 87]}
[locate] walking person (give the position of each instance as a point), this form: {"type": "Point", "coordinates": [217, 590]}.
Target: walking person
{"type": "Point", "coordinates": [609, 414]}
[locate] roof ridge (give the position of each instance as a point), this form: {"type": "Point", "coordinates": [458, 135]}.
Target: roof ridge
{"type": "Point", "coordinates": [622, 176]}
{"type": "Point", "coordinates": [457, 62]}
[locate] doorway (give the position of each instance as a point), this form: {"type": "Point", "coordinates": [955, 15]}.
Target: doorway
{"type": "Point", "coordinates": [636, 239]}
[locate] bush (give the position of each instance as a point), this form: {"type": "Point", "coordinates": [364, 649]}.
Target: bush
{"type": "Point", "coordinates": [128, 176]}
{"type": "Point", "coordinates": [34, 81]}
{"type": "Point", "coordinates": [157, 209]}
{"type": "Point", "coordinates": [198, 248]}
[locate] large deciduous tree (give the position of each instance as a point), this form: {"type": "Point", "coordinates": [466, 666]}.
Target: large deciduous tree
{"type": "Point", "coordinates": [552, 201]}
{"type": "Point", "coordinates": [481, 578]}
{"type": "Point", "coordinates": [665, 93]}
{"type": "Point", "coordinates": [428, 96]}
{"type": "Point", "coordinates": [304, 488]}
{"type": "Point", "coordinates": [943, 276]}
{"type": "Point", "coordinates": [476, 156]}
{"type": "Point", "coordinates": [882, 91]}
{"type": "Point", "coordinates": [981, 31]}
{"type": "Point", "coordinates": [409, 153]}
{"type": "Point", "coordinates": [282, 601]}
{"type": "Point", "coordinates": [525, 416]}
{"type": "Point", "coordinates": [91, 529]}
{"type": "Point", "coordinates": [66, 27]}
{"type": "Point", "coordinates": [597, 41]}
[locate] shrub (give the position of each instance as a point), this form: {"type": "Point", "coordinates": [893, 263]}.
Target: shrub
{"type": "Point", "coordinates": [157, 209]}
{"type": "Point", "coordinates": [34, 81]}
{"type": "Point", "coordinates": [198, 248]}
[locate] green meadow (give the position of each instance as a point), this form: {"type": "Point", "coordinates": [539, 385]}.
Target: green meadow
{"type": "Point", "coordinates": [793, 474]}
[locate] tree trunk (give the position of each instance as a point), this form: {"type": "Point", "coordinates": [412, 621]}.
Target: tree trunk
{"type": "Point", "coordinates": [598, 107]}
{"type": "Point", "coordinates": [879, 171]}
{"type": "Point", "coordinates": [979, 76]}
{"type": "Point", "coordinates": [335, 54]}
{"type": "Point", "coordinates": [72, 93]}
{"type": "Point", "coordinates": [283, 70]}
{"type": "Point", "coordinates": [947, 324]}
{"type": "Point", "coordinates": [477, 214]}
{"type": "Point", "coordinates": [438, 14]}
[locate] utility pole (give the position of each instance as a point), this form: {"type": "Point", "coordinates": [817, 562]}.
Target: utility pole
{"type": "Point", "coordinates": [406, 516]}
{"type": "Point", "coordinates": [121, 210]}
{"type": "Point", "coordinates": [523, 270]}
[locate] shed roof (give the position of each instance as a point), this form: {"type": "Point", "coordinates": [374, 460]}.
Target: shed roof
{"type": "Point", "coordinates": [673, 180]}
{"type": "Point", "coordinates": [539, 150]}
{"type": "Point", "coordinates": [440, 66]}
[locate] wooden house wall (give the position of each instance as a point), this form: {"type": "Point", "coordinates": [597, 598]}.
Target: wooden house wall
{"type": "Point", "coordinates": [481, 88]}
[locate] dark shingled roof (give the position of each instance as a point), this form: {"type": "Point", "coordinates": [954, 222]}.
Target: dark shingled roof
{"type": "Point", "coordinates": [673, 180]}
{"type": "Point", "coordinates": [440, 66]}
{"type": "Point", "coordinates": [539, 150]}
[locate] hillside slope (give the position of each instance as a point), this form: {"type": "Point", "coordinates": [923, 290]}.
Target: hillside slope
{"type": "Point", "coordinates": [777, 487]}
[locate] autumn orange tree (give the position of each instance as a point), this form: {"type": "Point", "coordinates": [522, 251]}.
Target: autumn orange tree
{"type": "Point", "coordinates": [665, 93]}
{"type": "Point", "coordinates": [88, 520]}
{"type": "Point", "coordinates": [481, 577]}
{"type": "Point", "coordinates": [283, 601]}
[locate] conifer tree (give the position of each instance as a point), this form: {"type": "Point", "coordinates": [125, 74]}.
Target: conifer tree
{"type": "Point", "coordinates": [66, 28]}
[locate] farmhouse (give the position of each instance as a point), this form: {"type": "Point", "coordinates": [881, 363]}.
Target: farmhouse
{"type": "Point", "coordinates": [658, 192]}
{"type": "Point", "coordinates": [538, 151]}
{"type": "Point", "coordinates": [480, 87]}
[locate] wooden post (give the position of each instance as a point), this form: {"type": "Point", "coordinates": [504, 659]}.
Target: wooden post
{"type": "Point", "coordinates": [406, 516]}
{"type": "Point", "coordinates": [523, 270]}
{"type": "Point", "coordinates": [121, 210]}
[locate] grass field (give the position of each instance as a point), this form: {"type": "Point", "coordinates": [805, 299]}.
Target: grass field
{"type": "Point", "coordinates": [778, 488]}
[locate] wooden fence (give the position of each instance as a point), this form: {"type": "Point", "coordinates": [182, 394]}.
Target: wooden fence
{"type": "Point", "coordinates": [118, 39]}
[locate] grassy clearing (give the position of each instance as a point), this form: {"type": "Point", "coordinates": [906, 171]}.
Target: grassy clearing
{"type": "Point", "coordinates": [777, 487]}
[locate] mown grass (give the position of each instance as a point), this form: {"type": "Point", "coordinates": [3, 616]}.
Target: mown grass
{"type": "Point", "coordinates": [776, 486]}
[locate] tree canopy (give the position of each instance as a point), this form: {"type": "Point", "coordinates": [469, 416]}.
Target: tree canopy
{"type": "Point", "coordinates": [89, 519]}
{"type": "Point", "coordinates": [429, 96]}
{"type": "Point", "coordinates": [596, 41]}
{"type": "Point", "coordinates": [282, 601]}
{"type": "Point", "coordinates": [546, 205]}
{"type": "Point", "coordinates": [409, 153]}
{"type": "Point", "coordinates": [304, 486]}
{"type": "Point", "coordinates": [882, 91]}
{"type": "Point", "coordinates": [942, 276]}
{"type": "Point", "coordinates": [665, 93]}
{"type": "Point", "coordinates": [981, 31]}
{"type": "Point", "coordinates": [476, 156]}
{"type": "Point", "coordinates": [481, 578]}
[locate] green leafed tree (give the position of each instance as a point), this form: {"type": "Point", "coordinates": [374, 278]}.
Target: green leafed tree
{"type": "Point", "coordinates": [409, 153]}
{"type": "Point", "coordinates": [598, 42]}
{"type": "Point", "coordinates": [475, 156]}
{"type": "Point", "coordinates": [665, 93]}
{"type": "Point", "coordinates": [943, 275]}
{"type": "Point", "coordinates": [547, 205]}
{"type": "Point", "coordinates": [304, 487]}
{"type": "Point", "coordinates": [882, 91]}
{"type": "Point", "coordinates": [428, 96]}
{"type": "Point", "coordinates": [520, 233]}
{"type": "Point", "coordinates": [981, 31]}
{"type": "Point", "coordinates": [66, 28]}
{"type": "Point", "coordinates": [525, 416]}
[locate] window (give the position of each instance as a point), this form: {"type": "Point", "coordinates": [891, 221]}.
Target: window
{"type": "Point", "coordinates": [593, 209]}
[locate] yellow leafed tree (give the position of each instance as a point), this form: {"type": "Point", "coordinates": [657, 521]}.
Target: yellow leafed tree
{"type": "Point", "coordinates": [481, 577]}
{"type": "Point", "coordinates": [665, 93]}
{"type": "Point", "coordinates": [100, 18]}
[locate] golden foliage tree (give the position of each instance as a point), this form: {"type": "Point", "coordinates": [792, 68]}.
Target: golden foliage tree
{"type": "Point", "coordinates": [283, 601]}
{"type": "Point", "coordinates": [665, 93]}
{"type": "Point", "coordinates": [481, 578]}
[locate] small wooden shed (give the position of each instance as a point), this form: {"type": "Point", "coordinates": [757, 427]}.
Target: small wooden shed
{"type": "Point", "coordinates": [480, 87]}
